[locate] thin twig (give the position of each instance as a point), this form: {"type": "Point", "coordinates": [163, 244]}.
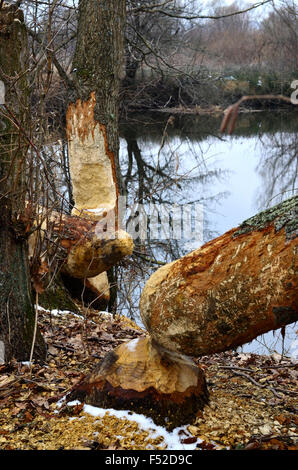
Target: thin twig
{"type": "Point", "coordinates": [174, 14]}
{"type": "Point", "coordinates": [34, 333]}
{"type": "Point", "coordinates": [279, 366]}
{"type": "Point", "coordinates": [242, 374]}
{"type": "Point", "coordinates": [235, 368]}
{"type": "Point", "coordinates": [72, 350]}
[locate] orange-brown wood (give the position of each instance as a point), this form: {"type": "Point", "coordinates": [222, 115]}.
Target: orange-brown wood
{"type": "Point", "coordinates": [226, 293]}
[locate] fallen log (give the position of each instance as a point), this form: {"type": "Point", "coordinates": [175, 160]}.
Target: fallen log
{"type": "Point", "coordinates": [229, 291]}
{"type": "Point", "coordinates": [240, 285]}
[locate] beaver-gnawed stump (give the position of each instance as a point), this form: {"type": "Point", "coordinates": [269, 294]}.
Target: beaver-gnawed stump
{"type": "Point", "coordinates": [145, 378]}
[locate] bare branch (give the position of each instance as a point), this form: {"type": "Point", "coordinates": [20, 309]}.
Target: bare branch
{"type": "Point", "coordinates": [231, 113]}
{"type": "Point", "coordinates": [174, 14]}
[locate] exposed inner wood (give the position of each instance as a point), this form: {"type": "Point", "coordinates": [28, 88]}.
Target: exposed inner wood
{"type": "Point", "coordinates": [92, 167]}
{"type": "Point", "coordinates": [140, 375]}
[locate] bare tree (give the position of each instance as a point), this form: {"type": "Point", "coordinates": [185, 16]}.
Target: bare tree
{"type": "Point", "coordinates": [280, 30]}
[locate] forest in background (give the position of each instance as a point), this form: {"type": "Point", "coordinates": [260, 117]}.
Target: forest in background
{"type": "Point", "coordinates": [176, 54]}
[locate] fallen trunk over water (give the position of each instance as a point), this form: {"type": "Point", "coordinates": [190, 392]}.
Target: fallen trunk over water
{"type": "Point", "coordinates": [229, 291]}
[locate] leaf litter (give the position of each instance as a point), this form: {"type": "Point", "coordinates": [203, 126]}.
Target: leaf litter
{"type": "Point", "coordinates": [253, 398]}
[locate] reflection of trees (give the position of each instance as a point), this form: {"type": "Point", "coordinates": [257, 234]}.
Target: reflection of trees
{"type": "Point", "coordinates": [162, 170]}
{"type": "Point", "coordinates": [151, 179]}
{"type": "Point", "coordinates": [278, 168]}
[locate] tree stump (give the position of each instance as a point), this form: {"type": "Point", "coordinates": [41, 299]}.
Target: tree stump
{"type": "Point", "coordinates": [93, 292]}
{"type": "Point", "coordinates": [142, 376]}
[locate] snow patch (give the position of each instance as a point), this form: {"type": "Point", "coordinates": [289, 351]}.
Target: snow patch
{"type": "Point", "coordinates": [97, 210]}
{"type": "Point", "coordinates": [27, 363]}
{"type": "Point", "coordinates": [105, 314]}
{"type": "Point", "coordinates": [171, 439]}
{"type": "Point", "coordinates": [57, 312]}
{"type": "Point", "coordinates": [2, 352]}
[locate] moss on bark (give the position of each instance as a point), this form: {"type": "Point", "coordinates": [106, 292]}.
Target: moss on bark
{"type": "Point", "coordinates": [56, 296]}
{"type": "Point", "coordinates": [283, 215]}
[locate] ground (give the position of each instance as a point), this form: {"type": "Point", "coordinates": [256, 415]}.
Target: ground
{"type": "Point", "coordinates": [253, 399]}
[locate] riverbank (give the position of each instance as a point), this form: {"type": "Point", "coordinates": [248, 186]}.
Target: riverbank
{"type": "Point", "coordinates": [204, 91]}
{"type": "Point", "coordinates": [211, 110]}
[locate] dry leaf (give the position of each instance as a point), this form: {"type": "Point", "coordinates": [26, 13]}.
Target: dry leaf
{"type": "Point", "coordinates": [6, 380]}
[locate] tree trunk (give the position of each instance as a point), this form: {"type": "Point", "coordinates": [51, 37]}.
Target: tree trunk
{"type": "Point", "coordinates": [92, 115]}
{"type": "Point", "coordinates": [17, 315]}
{"type": "Point", "coordinates": [80, 248]}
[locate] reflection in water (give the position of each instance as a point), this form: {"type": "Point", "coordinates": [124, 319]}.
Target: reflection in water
{"type": "Point", "coordinates": [162, 164]}
{"type": "Point", "coordinates": [184, 160]}
{"type": "Point", "coordinates": [278, 168]}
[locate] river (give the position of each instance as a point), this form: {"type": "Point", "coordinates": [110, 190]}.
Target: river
{"type": "Point", "coordinates": [185, 160]}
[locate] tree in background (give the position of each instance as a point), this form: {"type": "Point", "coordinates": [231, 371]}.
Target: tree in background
{"type": "Point", "coordinates": [280, 30]}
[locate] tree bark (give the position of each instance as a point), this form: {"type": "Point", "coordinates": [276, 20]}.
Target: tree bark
{"type": "Point", "coordinates": [17, 315]}
{"type": "Point", "coordinates": [92, 115]}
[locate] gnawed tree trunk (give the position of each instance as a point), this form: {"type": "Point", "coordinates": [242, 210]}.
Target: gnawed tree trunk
{"type": "Point", "coordinates": [92, 114]}
{"type": "Point", "coordinates": [231, 290]}
{"type": "Point", "coordinates": [17, 316]}
{"type": "Point", "coordinates": [141, 376]}
{"type": "Point", "coordinates": [82, 249]}
{"type": "Point", "coordinates": [220, 296]}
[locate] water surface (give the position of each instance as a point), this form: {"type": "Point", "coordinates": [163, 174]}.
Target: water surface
{"type": "Point", "coordinates": [187, 160]}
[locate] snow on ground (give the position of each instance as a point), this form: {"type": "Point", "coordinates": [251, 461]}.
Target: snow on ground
{"type": "Point", "coordinates": [131, 345]}
{"type": "Point", "coordinates": [57, 312]}
{"type": "Point", "coordinates": [171, 439]}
